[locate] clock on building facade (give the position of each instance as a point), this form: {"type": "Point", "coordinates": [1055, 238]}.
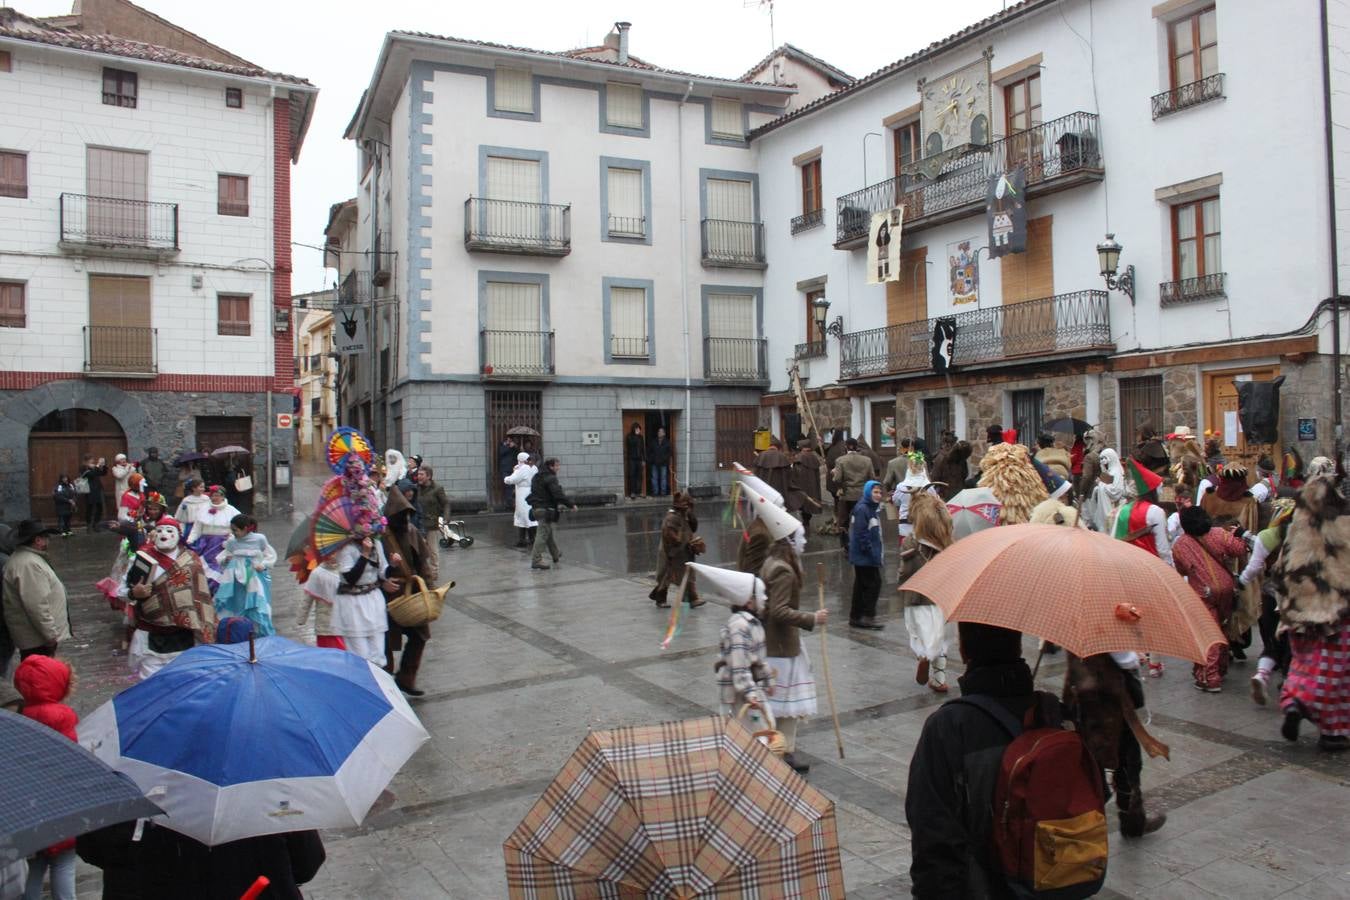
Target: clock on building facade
{"type": "Point", "coordinates": [956, 108]}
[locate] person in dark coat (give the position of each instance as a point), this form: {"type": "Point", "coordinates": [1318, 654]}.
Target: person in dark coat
{"type": "Point", "coordinates": [949, 801]}
{"type": "Point", "coordinates": [506, 461]}
{"type": "Point", "coordinates": [419, 557]}
{"type": "Point", "coordinates": [679, 545]}
{"type": "Point", "coordinates": [772, 465]}
{"type": "Point", "coordinates": [1151, 453]}
{"type": "Point", "coordinates": [658, 463]}
{"type": "Point", "coordinates": [431, 500]}
{"type": "Point", "coordinates": [865, 555]}
{"type": "Point", "coordinates": [93, 473]}
{"type": "Point", "coordinates": [878, 465]}
{"type": "Point", "coordinates": [951, 469]}
{"type": "Point", "coordinates": [546, 498]}
{"type": "Point", "coordinates": [634, 457]}
{"type": "Point", "coordinates": [803, 495]}
{"type": "Point", "coordinates": [155, 471]}
{"type": "Point", "coordinates": [63, 496]}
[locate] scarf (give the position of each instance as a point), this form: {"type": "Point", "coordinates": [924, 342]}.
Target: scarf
{"type": "Point", "coordinates": [179, 599]}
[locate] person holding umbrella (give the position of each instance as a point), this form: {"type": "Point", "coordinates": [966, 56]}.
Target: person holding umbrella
{"type": "Point", "coordinates": [44, 683]}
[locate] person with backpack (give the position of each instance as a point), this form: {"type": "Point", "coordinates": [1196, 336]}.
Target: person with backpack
{"type": "Point", "coordinates": [1002, 745]}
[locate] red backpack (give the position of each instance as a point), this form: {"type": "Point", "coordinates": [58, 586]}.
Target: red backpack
{"type": "Point", "coordinates": [1049, 809]}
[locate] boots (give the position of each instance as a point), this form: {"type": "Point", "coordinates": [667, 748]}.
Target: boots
{"type": "Point", "coordinates": [937, 679]}
{"type": "Point", "coordinates": [1261, 680]}
{"type": "Point", "coordinates": [411, 661]}
{"type": "Point", "coordinates": [522, 537]}
{"type": "Point", "coordinates": [1133, 821]}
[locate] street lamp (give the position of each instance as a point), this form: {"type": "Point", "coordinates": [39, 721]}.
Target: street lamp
{"type": "Point", "coordinates": [1108, 255]}
{"type": "Point", "coordinates": [820, 309]}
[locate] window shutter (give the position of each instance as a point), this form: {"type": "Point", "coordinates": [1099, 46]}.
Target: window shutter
{"type": "Point", "coordinates": [1031, 275]}
{"type": "Point", "coordinates": [12, 312]}
{"type": "Point", "coordinates": [628, 321]}
{"type": "Point", "coordinates": [731, 316]}
{"type": "Point", "coordinates": [13, 174]}
{"type": "Point", "coordinates": [513, 91]}
{"type": "Point", "coordinates": [626, 207]}
{"type": "Point", "coordinates": [512, 306]}
{"type": "Point", "coordinates": [726, 119]}
{"type": "Point", "coordinates": [623, 105]}
{"type": "Point", "coordinates": [232, 314]}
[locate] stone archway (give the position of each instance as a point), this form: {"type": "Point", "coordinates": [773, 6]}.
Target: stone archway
{"type": "Point", "coordinates": [20, 411]}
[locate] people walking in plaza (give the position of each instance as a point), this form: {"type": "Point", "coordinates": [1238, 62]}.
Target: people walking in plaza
{"type": "Point", "coordinates": [63, 498]}
{"type": "Point", "coordinates": [520, 480]}
{"type": "Point", "coordinates": [931, 534]}
{"type": "Point", "coordinates": [167, 589]}
{"type": "Point", "coordinates": [35, 609]}
{"type": "Point", "coordinates": [402, 541]}
{"type": "Point", "coordinates": [1085, 479]}
{"type": "Point", "coordinates": [156, 472]}
{"type": "Point", "coordinates": [1106, 494]}
{"type": "Point", "coordinates": [896, 467]}
{"type": "Point", "coordinates": [658, 463]}
{"type": "Point", "coordinates": [1054, 456]}
{"type": "Point", "coordinates": [1228, 497]}
{"type": "Point", "coordinates": [1007, 471]}
{"type": "Point", "coordinates": [546, 499]}
{"type": "Point", "coordinates": [92, 475]}
{"type": "Point", "coordinates": [865, 554]}
{"type": "Point", "coordinates": [211, 529]}
{"type": "Point", "coordinates": [634, 459]}
{"type": "Point", "coordinates": [1266, 552]}
{"type": "Point", "coordinates": [245, 588]}
{"type": "Point", "coordinates": [803, 496]}
{"type": "Point", "coordinates": [359, 615]}
{"type": "Point", "coordinates": [914, 482]}
{"type": "Point", "coordinates": [129, 502]}
{"type": "Point", "coordinates": [743, 676]}
{"type": "Point", "coordinates": [1142, 521]}
{"type": "Point", "coordinates": [431, 502]}
{"type": "Point", "coordinates": [45, 684]}
{"type": "Point", "coordinates": [680, 543]}
{"type": "Point", "coordinates": [951, 469]}
{"type": "Point", "coordinates": [1149, 451]}
{"type": "Point", "coordinates": [850, 473]}
{"type": "Point", "coordinates": [193, 504]}
{"type": "Point", "coordinates": [772, 466]}
{"type": "Point", "coordinates": [1202, 555]}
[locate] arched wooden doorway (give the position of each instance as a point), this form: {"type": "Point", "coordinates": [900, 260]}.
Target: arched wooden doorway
{"type": "Point", "coordinates": [58, 444]}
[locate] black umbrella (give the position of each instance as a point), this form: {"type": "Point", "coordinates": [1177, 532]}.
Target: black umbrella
{"type": "Point", "coordinates": [1066, 426]}
{"type": "Point", "coordinates": [59, 790]}
{"type": "Point", "coordinates": [183, 459]}
{"type": "Point", "coordinates": [299, 537]}
{"type": "Point", "coordinates": [522, 431]}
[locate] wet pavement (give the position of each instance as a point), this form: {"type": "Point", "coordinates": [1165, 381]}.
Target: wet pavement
{"type": "Point", "coordinates": [523, 663]}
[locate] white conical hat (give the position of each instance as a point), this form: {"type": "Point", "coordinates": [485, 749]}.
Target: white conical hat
{"type": "Point", "coordinates": [738, 588]}
{"type": "Point", "coordinates": [760, 486]}
{"type": "Point", "coordinates": [780, 522]}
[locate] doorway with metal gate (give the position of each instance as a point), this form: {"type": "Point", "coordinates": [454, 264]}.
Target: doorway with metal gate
{"type": "Point", "coordinates": [518, 415]}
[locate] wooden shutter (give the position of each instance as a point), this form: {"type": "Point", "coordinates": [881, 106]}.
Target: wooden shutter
{"type": "Point", "coordinates": [233, 314]}
{"type": "Point", "coordinates": [13, 313]}
{"type": "Point", "coordinates": [626, 207]}
{"type": "Point", "coordinates": [907, 298]}
{"type": "Point", "coordinates": [232, 196]}
{"type": "Point", "coordinates": [1031, 275]}
{"type": "Point", "coordinates": [731, 316]}
{"type": "Point", "coordinates": [628, 321]}
{"type": "Point", "coordinates": [726, 119]}
{"type": "Point", "coordinates": [13, 174]}
{"type": "Point", "coordinates": [513, 91]}
{"type": "Point", "coordinates": [623, 105]}
{"type": "Point", "coordinates": [120, 336]}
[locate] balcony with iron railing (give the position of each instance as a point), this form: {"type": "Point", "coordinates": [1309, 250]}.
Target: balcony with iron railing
{"type": "Point", "coordinates": [121, 351]}
{"type": "Point", "coordinates": [1056, 155]}
{"type": "Point", "coordinates": [512, 226]}
{"type": "Point", "coordinates": [1191, 290]}
{"type": "Point", "coordinates": [808, 220]}
{"type": "Point", "coordinates": [114, 227]}
{"type": "Point", "coordinates": [733, 245]}
{"type": "Point", "coordinates": [630, 228]}
{"type": "Point", "coordinates": [1065, 325]}
{"type": "Point", "coordinates": [623, 348]}
{"type": "Point", "coordinates": [735, 360]}
{"type": "Point", "coordinates": [809, 350]}
{"type": "Point", "coordinates": [1188, 95]}
{"type": "Point", "coordinates": [355, 288]}
{"type": "Point", "coordinates": [515, 355]}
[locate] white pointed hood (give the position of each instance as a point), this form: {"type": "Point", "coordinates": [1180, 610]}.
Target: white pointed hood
{"type": "Point", "coordinates": [737, 588]}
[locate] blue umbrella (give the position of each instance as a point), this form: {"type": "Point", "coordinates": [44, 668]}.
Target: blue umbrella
{"type": "Point", "coordinates": [234, 745]}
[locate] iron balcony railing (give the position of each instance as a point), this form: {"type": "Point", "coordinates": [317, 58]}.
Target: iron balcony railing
{"type": "Point", "coordinates": [738, 360]}
{"type": "Point", "coordinates": [121, 350]}
{"type": "Point", "coordinates": [1064, 323]}
{"type": "Point", "coordinates": [808, 220]}
{"type": "Point", "coordinates": [1188, 290]}
{"type": "Point", "coordinates": [628, 347]}
{"type": "Point", "coordinates": [728, 243]}
{"type": "Point", "coordinates": [1065, 146]}
{"type": "Point", "coordinates": [112, 222]}
{"type": "Point", "coordinates": [809, 350]}
{"type": "Point", "coordinates": [1186, 95]}
{"type": "Point", "coordinates": [355, 288]}
{"type": "Point", "coordinates": [515, 354]}
{"type": "Point", "coordinates": [512, 226]}
{"type": "Point", "coordinates": [628, 226]}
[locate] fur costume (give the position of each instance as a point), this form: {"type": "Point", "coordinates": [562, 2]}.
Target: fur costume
{"type": "Point", "coordinates": [951, 468]}
{"type": "Point", "coordinates": [1188, 462]}
{"type": "Point", "coordinates": [1007, 471]}
{"type": "Point", "coordinates": [1312, 576]}
{"type": "Point", "coordinates": [1052, 512]}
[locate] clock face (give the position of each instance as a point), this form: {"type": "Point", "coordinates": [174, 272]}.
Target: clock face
{"type": "Point", "coordinates": [956, 108]}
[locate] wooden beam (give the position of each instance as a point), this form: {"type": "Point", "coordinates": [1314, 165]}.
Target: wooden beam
{"type": "Point", "coordinates": [1222, 353]}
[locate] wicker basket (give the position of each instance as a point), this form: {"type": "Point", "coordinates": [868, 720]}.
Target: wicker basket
{"type": "Point", "coordinates": [418, 607]}
{"type": "Point", "coordinates": [769, 737]}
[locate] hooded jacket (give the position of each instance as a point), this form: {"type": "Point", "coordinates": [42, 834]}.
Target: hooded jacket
{"type": "Point", "coordinates": [44, 682]}
{"type": "Point", "coordinates": [864, 537]}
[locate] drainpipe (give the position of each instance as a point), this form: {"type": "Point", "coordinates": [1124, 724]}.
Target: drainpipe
{"type": "Point", "coordinates": [1336, 422]}
{"type": "Point", "coordinates": [269, 382]}
{"type": "Point", "coordinates": [684, 272]}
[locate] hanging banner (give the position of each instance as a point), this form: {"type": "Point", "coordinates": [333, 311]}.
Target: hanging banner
{"type": "Point", "coordinates": [1006, 210]}
{"type": "Point", "coordinates": [963, 274]}
{"type": "Point", "coordinates": [883, 246]}
{"type": "Point", "coordinates": [944, 344]}
{"type": "Point", "coordinates": [349, 335]}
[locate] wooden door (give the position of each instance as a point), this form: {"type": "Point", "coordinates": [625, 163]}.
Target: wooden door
{"type": "Point", "coordinates": [636, 417]}
{"type": "Point", "coordinates": [1221, 411]}
{"type": "Point", "coordinates": [121, 338]}
{"type": "Point", "coordinates": [58, 444]}
{"type": "Point", "coordinates": [117, 182]}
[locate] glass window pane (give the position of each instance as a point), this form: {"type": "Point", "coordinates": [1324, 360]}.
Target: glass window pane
{"type": "Point", "coordinates": [1209, 62]}
{"type": "Point", "coordinates": [1034, 89]}
{"type": "Point", "coordinates": [1181, 37]}
{"type": "Point", "coordinates": [1186, 259]}
{"type": "Point", "coordinates": [1213, 259]}
{"type": "Point", "coordinates": [1211, 214]}
{"type": "Point", "coordinates": [1183, 70]}
{"type": "Point", "coordinates": [1186, 221]}
{"type": "Point", "coordinates": [1017, 99]}
{"type": "Point", "coordinates": [1208, 28]}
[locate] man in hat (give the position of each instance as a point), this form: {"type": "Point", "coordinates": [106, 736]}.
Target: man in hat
{"type": "Point", "coordinates": [679, 546]}
{"type": "Point", "coordinates": [34, 598]}
{"type": "Point", "coordinates": [850, 473]}
{"type": "Point", "coordinates": [154, 470]}
{"type": "Point", "coordinates": [1142, 521]}
{"type": "Point", "coordinates": [168, 587]}
{"type": "Point", "coordinates": [1150, 452]}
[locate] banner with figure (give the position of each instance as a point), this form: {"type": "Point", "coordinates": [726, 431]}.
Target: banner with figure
{"type": "Point", "coordinates": [963, 272]}
{"type": "Point", "coordinates": [883, 246]}
{"type": "Point", "coordinates": [350, 334]}
{"type": "Point", "coordinates": [1006, 210]}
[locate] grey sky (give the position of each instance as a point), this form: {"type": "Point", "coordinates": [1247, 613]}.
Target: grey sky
{"type": "Point", "coordinates": [334, 44]}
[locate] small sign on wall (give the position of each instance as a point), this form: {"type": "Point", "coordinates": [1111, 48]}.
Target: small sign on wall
{"type": "Point", "coordinates": [590, 439]}
{"type": "Point", "coordinates": [1307, 429]}
{"type": "Point", "coordinates": [285, 420]}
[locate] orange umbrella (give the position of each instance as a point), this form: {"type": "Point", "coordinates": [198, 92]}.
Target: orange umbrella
{"type": "Point", "coordinates": [1082, 590]}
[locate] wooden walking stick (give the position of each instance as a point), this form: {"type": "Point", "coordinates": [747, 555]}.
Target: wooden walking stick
{"type": "Point", "coordinates": [825, 662]}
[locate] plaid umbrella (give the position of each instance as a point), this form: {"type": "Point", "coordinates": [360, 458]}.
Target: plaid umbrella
{"type": "Point", "coordinates": [59, 790]}
{"type": "Point", "coordinates": [1085, 591]}
{"type": "Point", "coordinates": [687, 809]}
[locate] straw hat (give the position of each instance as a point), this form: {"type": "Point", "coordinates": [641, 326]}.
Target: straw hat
{"type": "Point", "coordinates": [737, 588]}
{"type": "Point", "coordinates": [779, 522]}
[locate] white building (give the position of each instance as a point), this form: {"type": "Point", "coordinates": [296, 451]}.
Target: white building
{"type": "Point", "coordinates": [144, 246]}
{"type": "Point", "coordinates": [574, 244]}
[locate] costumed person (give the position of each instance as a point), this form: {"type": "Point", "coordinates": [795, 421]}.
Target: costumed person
{"type": "Point", "coordinates": [1202, 555]}
{"type": "Point", "coordinates": [520, 480]}
{"type": "Point", "coordinates": [1182, 496]}
{"type": "Point", "coordinates": [1106, 493]}
{"type": "Point", "coordinates": [1150, 453]}
{"type": "Point", "coordinates": [395, 469]}
{"type": "Point", "coordinates": [1054, 456]}
{"type": "Point", "coordinates": [1266, 550]}
{"type": "Point", "coordinates": [931, 534]}
{"type": "Point", "coordinates": [793, 697]}
{"type": "Point", "coordinates": [1085, 479]}
{"type": "Point", "coordinates": [803, 494]}
{"type": "Point", "coordinates": [1188, 458]}
{"type": "Point", "coordinates": [1319, 465]}
{"type": "Point", "coordinates": [121, 471]}
{"type": "Point", "coordinates": [1310, 579]}
{"type": "Point", "coordinates": [129, 501]}
{"type": "Point", "coordinates": [192, 505]}
{"type": "Point", "coordinates": [915, 481]}
{"type": "Point", "coordinates": [1142, 521]}
{"type": "Point", "coordinates": [755, 538]}
{"type": "Point", "coordinates": [211, 530]}
{"type": "Point", "coordinates": [865, 554]}
{"type": "Point", "coordinates": [1006, 470]}
{"type": "Point", "coordinates": [951, 469]}
{"type": "Point", "coordinates": [743, 676]}
{"type": "Point", "coordinates": [135, 532]}
{"type": "Point", "coordinates": [679, 545]}
{"type": "Point", "coordinates": [245, 587]}
{"type": "Point", "coordinates": [1266, 485]}
{"type": "Point", "coordinates": [772, 466]}
{"type": "Point", "coordinates": [404, 542]}
{"type": "Point", "coordinates": [167, 588]}
{"type": "Point", "coordinates": [1229, 497]}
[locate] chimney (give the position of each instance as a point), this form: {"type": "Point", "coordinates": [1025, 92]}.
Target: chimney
{"type": "Point", "coordinates": [622, 28]}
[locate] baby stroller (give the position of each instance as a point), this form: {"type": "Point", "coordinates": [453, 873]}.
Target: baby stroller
{"type": "Point", "coordinates": [453, 533]}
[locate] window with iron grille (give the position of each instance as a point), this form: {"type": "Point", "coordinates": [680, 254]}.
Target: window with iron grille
{"type": "Point", "coordinates": [735, 433]}
{"type": "Point", "coordinates": [119, 88]}
{"type": "Point", "coordinates": [13, 305]}
{"type": "Point", "coordinates": [232, 314]}
{"type": "Point", "coordinates": [13, 174]}
{"type": "Point", "coordinates": [937, 418]}
{"type": "Point", "coordinates": [232, 195]}
{"type": "Point", "coordinates": [1141, 403]}
{"type": "Point", "coordinates": [234, 98]}
{"type": "Point", "coordinates": [1028, 412]}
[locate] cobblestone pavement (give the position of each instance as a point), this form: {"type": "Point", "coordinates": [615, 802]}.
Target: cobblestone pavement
{"type": "Point", "coordinates": [523, 663]}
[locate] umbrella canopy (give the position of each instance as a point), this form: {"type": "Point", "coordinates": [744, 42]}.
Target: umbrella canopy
{"type": "Point", "coordinates": [192, 456]}
{"type": "Point", "coordinates": [1085, 591]}
{"type": "Point", "coordinates": [59, 789]}
{"type": "Point", "coordinates": [301, 738]}
{"type": "Point", "coordinates": [299, 537]}
{"type": "Point", "coordinates": [974, 509]}
{"type": "Point", "coordinates": [680, 809]}
{"type": "Point", "coordinates": [229, 449]}
{"type": "Point", "coordinates": [1076, 427]}
{"type": "Point", "coordinates": [524, 430]}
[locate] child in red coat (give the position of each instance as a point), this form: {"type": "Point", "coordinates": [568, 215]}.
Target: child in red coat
{"type": "Point", "coordinates": [44, 682]}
